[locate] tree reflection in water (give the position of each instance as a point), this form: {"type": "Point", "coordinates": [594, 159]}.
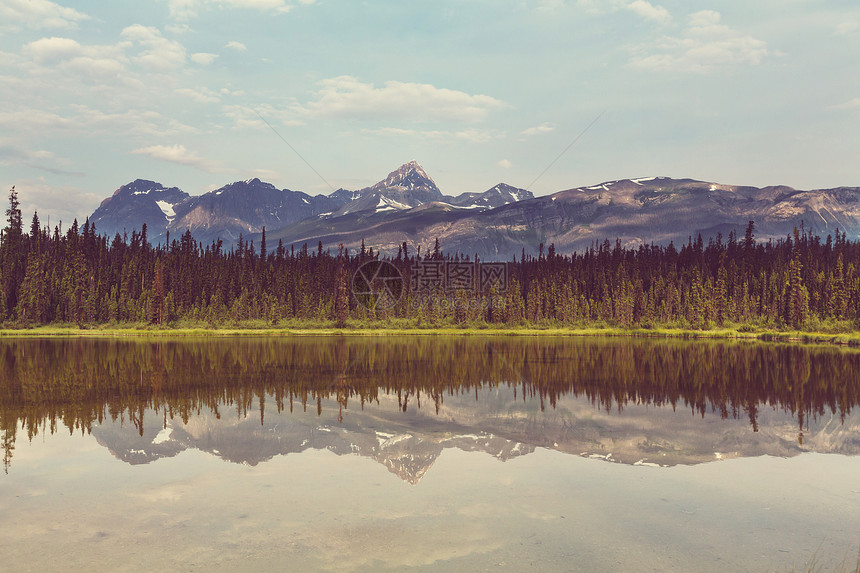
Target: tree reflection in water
{"type": "Point", "coordinates": [77, 383]}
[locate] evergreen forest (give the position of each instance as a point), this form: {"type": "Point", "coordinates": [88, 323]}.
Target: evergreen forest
{"type": "Point", "coordinates": [77, 276]}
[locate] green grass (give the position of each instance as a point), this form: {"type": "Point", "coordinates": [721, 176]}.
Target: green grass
{"type": "Point", "coordinates": [398, 327]}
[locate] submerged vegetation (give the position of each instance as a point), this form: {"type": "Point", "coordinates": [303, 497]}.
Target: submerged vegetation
{"type": "Point", "coordinates": [77, 277]}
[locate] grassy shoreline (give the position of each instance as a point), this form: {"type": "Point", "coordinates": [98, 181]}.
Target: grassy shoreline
{"type": "Point", "coordinates": [255, 329]}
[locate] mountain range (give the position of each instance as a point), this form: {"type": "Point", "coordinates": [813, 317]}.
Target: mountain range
{"type": "Point", "coordinates": [498, 424]}
{"type": "Point", "coordinates": [496, 224]}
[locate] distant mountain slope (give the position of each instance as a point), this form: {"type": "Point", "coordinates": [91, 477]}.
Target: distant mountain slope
{"type": "Point", "coordinates": [406, 187]}
{"type": "Point", "coordinates": [656, 209]}
{"type": "Point", "coordinates": [135, 204]}
{"type": "Point", "coordinates": [245, 207]}
{"type": "Point", "coordinates": [496, 224]}
{"type": "Point", "coordinates": [501, 194]}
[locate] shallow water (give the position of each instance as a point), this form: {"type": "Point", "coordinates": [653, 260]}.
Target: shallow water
{"type": "Point", "coordinates": [355, 454]}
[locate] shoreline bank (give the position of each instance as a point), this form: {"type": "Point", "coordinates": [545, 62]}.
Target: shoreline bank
{"type": "Point", "coordinates": [765, 335]}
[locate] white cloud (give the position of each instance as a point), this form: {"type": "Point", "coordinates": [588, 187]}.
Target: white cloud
{"type": "Point", "coordinates": [264, 5]}
{"type": "Point", "coordinates": [538, 130]}
{"type": "Point", "coordinates": [467, 135]}
{"type": "Point", "coordinates": [38, 14]}
{"type": "Point", "coordinates": [505, 164]}
{"type": "Point", "coordinates": [347, 97]}
{"type": "Point", "coordinates": [550, 6]}
{"type": "Point", "coordinates": [144, 46]}
{"type": "Point", "coordinates": [238, 46]}
{"type": "Point", "coordinates": [642, 8]}
{"type": "Point", "coordinates": [183, 9]}
{"type": "Point", "coordinates": [13, 154]}
{"type": "Point", "coordinates": [54, 202]}
{"type": "Point", "coordinates": [705, 19]}
{"type": "Point", "coordinates": [178, 28]}
{"type": "Point", "coordinates": [705, 45]}
{"type": "Point", "coordinates": [64, 54]}
{"type": "Point", "coordinates": [31, 120]}
{"type": "Point", "coordinates": [178, 154]}
{"type": "Point", "coordinates": [50, 49]}
{"type": "Point", "coordinates": [187, 9]}
{"type": "Point", "coordinates": [95, 67]}
{"type": "Point", "coordinates": [850, 104]}
{"type": "Point", "coordinates": [650, 12]}
{"type": "Point", "coordinates": [203, 58]}
{"type": "Point", "coordinates": [89, 122]}
{"type": "Point", "coordinates": [478, 135]}
{"type": "Point", "coordinates": [244, 116]}
{"type": "Point", "coordinates": [132, 122]}
{"type": "Point", "coordinates": [847, 27]}
{"type": "Point", "coordinates": [392, 131]}
{"type": "Point", "coordinates": [265, 174]}
{"type": "Point", "coordinates": [158, 52]}
{"type": "Point", "coordinates": [200, 94]}
{"type": "Point", "coordinates": [114, 80]}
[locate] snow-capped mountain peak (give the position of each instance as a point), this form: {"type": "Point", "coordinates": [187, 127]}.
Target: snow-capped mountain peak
{"type": "Point", "coordinates": [408, 177]}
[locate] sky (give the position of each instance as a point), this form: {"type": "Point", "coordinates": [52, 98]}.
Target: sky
{"type": "Point", "coordinates": [316, 95]}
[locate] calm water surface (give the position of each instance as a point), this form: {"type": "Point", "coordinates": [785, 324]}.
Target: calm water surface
{"type": "Point", "coordinates": [359, 454]}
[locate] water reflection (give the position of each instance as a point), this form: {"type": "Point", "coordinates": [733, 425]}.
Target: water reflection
{"type": "Point", "coordinates": [401, 401]}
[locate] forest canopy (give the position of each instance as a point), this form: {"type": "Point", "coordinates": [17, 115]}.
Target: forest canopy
{"type": "Point", "coordinates": [50, 276]}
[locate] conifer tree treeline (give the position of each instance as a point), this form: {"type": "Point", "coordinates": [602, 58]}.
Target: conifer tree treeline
{"type": "Point", "coordinates": [81, 277]}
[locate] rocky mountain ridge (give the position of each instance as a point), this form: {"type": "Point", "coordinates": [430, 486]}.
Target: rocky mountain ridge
{"type": "Point", "coordinates": [496, 224]}
{"type": "Point", "coordinates": [247, 207]}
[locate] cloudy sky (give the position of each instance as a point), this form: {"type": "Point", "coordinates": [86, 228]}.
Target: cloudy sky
{"type": "Point", "coordinates": [96, 94]}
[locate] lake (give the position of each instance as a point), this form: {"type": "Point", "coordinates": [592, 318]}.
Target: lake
{"type": "Point", "coordinates": [444, 453]}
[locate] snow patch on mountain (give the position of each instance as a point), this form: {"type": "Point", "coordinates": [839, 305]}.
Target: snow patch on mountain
{"type": "Point", "coordinates": [386, 204]}
{"type": "Point", "coordinates": [167, 209]}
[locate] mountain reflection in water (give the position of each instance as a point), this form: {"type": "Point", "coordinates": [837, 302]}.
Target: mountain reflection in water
{"type": "Point", "coordinates": [402, 401]}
